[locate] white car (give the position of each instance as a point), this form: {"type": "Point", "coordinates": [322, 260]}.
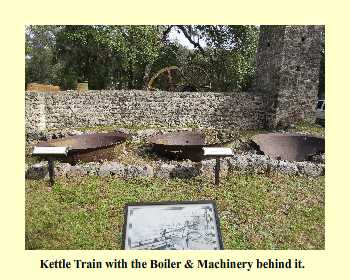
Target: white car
{"type": "Point", "coordinates": [321, 106]}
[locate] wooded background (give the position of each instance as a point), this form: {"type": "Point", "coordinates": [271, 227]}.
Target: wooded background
{"type": "Point", "coordinates": [126, 57]}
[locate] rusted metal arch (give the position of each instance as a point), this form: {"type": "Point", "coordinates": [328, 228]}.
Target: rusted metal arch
{"type": "Point", "coordinates": [168, 70]}
{"type": "Point", "coordinates": [165, 69]}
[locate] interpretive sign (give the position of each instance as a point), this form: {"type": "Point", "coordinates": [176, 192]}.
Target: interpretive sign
{"type": "Point", "coordinates": [47, 151]}
{"type": "Point", "coordinates": [50, 153]}
{"type": "Point", "coordinates": [189, 225]}
{"type": "Point", "coordinates": [217, 151]}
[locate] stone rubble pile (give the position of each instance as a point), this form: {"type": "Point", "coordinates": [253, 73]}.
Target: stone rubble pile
{"type": "Point", "coordinates": [246, 160]}
{"type": "Point", "coordinates": [243, 163]}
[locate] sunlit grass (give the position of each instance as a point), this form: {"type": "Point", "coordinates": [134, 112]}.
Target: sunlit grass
{"type": "Point", "coordinates": [256, 212]}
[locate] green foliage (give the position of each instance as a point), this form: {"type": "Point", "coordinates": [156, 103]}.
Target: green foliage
{"type": "Point", "coordinates": [108, 56]}
{"type": "Point", "coordinates": [121, 57]}
{"type": "Point", "coordinates": [229, 55]}
{"type": "Point", "coordinates": [40, 43]}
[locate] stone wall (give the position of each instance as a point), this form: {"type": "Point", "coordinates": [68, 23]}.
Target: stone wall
{"type": "Point", "coordinates": [286, 86]}
{"type": "Point", "coordinates": [72, 109]}
{"type": "Point", "coordinates": [243, 163]}
{"type": "Point", "coordinates": [288, 64]}
{"type": "Point", "coordinates": [35, 112]}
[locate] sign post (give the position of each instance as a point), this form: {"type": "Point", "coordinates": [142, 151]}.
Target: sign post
{"type": "Point", "coordinates": [50, 154]}
{"type": "Point", "coordinates": [217, 152]}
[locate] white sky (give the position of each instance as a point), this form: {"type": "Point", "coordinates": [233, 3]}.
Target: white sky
{"type": "Point", "coordinates": [175, 36]}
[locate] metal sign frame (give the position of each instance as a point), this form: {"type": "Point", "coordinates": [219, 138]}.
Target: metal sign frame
{"type": "Point", "coordinates": [50, 151]}
{"type": "Point", "coordinates": [217, 151]}
{"type": "Point", "coordinates": [173, 205]}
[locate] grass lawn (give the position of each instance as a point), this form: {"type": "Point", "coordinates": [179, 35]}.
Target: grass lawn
{"type": "Point", "coordinates": [255, 211]}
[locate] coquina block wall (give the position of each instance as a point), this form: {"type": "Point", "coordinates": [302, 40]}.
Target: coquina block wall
{"type": "Point", "coordinates": [72, 109]}
{"type": "Point", "coordinates": [286, 88]}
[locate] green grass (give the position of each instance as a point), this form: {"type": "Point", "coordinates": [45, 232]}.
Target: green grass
{"type": "Point", "coordinates": [307, 127]}
{"type": "Point", "coordinates": [256, 212]}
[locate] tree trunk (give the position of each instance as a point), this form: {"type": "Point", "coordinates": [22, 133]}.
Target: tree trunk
{"type": "Point", "coordinates": [146, 76]}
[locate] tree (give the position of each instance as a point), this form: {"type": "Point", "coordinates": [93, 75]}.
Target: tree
{"type": "Point", "coordinates": [121, 57]}
{"type": "Point", "coordinates": [227, 52]}
{"type": "Point", "coordinates": [40, 43]}
{"type": "Point", "coordinates": [108, 56]}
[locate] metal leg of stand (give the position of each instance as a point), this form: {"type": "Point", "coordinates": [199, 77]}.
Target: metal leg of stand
{"type": "Point", "coordinates": [217, 171]}
{"type": "Point", "coordinates": [51, 171]}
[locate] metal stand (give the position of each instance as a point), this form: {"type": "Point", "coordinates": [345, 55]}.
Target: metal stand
{"type": "Point", "coordinates": [217, 171]}
{"type": "Point", "coordinates": [218, 153]}
{"type": "Point", "coordinates": [50, 153]}
{"type": "Point", "coordinates": [51, 171]}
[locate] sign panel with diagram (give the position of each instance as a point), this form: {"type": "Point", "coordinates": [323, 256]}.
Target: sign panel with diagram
{"type": "Point", "coordinates": [190, 225]}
